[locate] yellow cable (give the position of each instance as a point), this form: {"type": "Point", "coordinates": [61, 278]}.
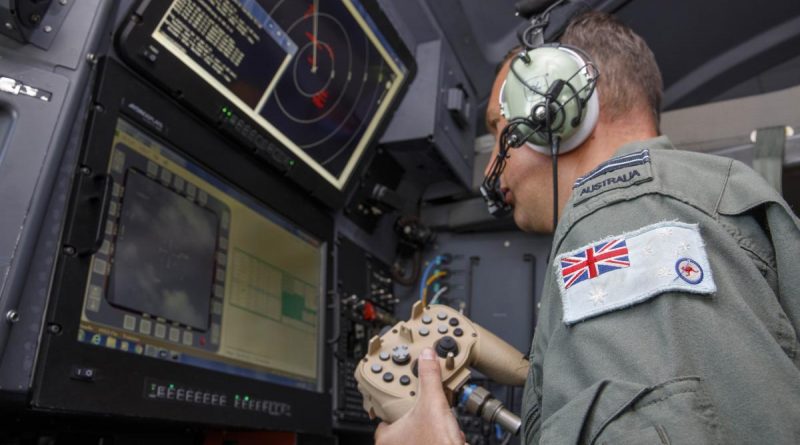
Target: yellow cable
{"type": "Point", "coordinates": [430, 281]}
{"type": "Point", "coordinates": [435, 277]}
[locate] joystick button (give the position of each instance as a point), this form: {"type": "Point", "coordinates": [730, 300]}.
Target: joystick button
{"type": "Point", "coordinates": [458, 332]}
{"type": "Point", "coordinates": [442, 315]}
{"type": "Point", "coordinates": [442, 329]}
{"type": "Point", "coordinates": [446, 345]}
{"type": "Point", "coordinates": [405, 380]}
{"type": "Point", "coordinates": [376, 368]}
{"type": "Point", "coordinates": [384, 356]}
{"type": "Point", "coordinates": [427, 319]}
{"type": "Point", "coordinates": [453, 321]}
{"type": "Point", "coordinates": [388, 377]}
{"type": "Point", "coordinates": [400, 354]}
{"type": "Point", "coordinates": [423, 331]}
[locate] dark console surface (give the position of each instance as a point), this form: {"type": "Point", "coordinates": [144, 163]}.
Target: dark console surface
{"type": "Point", "coordinates": [192, 300]}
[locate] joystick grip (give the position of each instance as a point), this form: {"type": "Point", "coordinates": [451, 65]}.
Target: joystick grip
{"type": "Point", "coordinates": [499, 360]}
{"type": "Point", "coordinates": [387, 376]}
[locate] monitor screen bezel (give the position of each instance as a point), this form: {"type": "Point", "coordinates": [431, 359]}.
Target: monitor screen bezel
{"type": "Point", "coordinates": [117, 387]}
{"type": "Point", "coordinates": [135, 39]}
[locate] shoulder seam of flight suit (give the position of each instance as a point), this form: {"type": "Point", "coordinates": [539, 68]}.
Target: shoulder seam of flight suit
{"type": "Point", "coordinates": [724, 187]}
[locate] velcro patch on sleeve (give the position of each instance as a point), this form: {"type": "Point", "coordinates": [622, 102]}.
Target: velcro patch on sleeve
{"type": "Point", "coordinates": [624, 270]}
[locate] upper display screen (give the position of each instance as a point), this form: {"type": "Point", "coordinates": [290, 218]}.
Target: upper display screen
{"type": "Point", "coordinates": [317, 75]}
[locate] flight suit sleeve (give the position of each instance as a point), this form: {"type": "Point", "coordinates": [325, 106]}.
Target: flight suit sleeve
{"type": "Point", "coordinates": [676, 366]}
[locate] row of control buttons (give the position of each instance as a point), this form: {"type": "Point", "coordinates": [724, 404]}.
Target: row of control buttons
{"type": "Point", "coordinates": [160, 391]}
{"type": "Point", "coordinates": [266, 406]}
{"type": "Point", "coordinates": [171, 392]}
{"type": "Point", "coordinates": [442, 329]}
{"type": "Point", "coordinates": [388, 377]}
{"type": "Point", "coordinates": [441, 316]}
{"type": "Point", "coordinates": [173, 334]}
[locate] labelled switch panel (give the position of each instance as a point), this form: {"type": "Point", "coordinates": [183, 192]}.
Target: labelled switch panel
{"type": "Point", "coordinates": [365, 289]}
{"type": "Point", "coordinates": [376, 194]}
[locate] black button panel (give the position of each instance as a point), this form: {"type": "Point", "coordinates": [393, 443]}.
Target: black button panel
{"type": "Point", "coordinates": [161, 391]}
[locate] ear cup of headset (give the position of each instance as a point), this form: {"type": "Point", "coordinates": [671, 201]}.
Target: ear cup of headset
{"type": "Point", "coordinates": [566, 75]}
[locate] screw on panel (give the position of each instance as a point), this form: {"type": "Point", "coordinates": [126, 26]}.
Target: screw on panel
{"type": "Point", "coordinates": [12, 316]}
{"type": "Point", "coordinates": [69, 250]}
{"type": "Point", "coordinates": [62, 2]}
{"type": "Point", "coordinates": [48, 28]}
{"type": "Point", "coordinates": [85, 170]}
{"type": "Point", "coordinates": [91, 58]}
{"type": "Point", "coordinates": [35, 18]}
{"type": "Point", "coordinates": [54, 328]}
{"type": "Point", "coordinates": [9, 25]}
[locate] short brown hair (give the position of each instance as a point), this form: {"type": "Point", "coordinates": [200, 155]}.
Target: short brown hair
{"type": "Point", "coordinates": [629, 75]}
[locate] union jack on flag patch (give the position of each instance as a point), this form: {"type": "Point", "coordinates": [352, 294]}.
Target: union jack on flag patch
{"type": "Point", "coordinates": [594, 261]}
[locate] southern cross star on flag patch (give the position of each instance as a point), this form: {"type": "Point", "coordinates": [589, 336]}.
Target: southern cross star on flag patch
{"type": "Point", "coordinates": [627, 269]}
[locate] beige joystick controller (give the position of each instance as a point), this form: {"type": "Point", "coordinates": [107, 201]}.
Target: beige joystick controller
{"type": "Point", "coordinates": [387, 375]}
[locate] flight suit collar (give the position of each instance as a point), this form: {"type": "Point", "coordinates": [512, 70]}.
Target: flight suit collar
{"type": "Point", "coordinates": [661, 142]}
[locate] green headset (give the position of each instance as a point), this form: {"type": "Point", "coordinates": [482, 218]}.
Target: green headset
{"type": "Point", "coordinates": [550, 90]}
{"type": "Point", "coordinates": [551, 106]}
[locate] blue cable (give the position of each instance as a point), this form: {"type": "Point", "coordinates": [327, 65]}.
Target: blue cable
{"type": "Point", "coordinates": [465, 393]}
{"type": "Point", "coordinates": [436, 261]}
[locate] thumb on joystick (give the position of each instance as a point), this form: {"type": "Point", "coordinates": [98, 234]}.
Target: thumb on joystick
{"type": "Point", "coordinates": [430, 380]}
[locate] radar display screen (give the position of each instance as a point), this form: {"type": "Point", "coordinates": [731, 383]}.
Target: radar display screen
{"type": "Point", "coordinates": [317, 75]}
{"type": "Point", "coordinates": [193, 271]}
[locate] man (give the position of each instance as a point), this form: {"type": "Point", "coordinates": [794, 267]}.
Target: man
{"type": "Point", "coordinates": [671, 307]}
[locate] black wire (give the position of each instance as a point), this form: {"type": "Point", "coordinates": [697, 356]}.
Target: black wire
{"type": "Point", "coordinates": [519, 77]}
{"type": "Point", "coordinates": [554, 146]}
{"type": "Point", "coordinates": [539, 22]}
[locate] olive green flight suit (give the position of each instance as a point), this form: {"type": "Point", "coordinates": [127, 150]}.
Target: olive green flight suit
{"type": "Point", "coordinates": [678, 368]}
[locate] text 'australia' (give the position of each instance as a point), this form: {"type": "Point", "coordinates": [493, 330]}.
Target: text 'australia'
{"type": "Point", "coordinates": [627, 177]}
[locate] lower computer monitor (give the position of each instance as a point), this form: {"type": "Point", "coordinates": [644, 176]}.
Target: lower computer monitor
{"type": "Point", "coordinates": [200, 296]}
{"type": "Point", "coordinates": [192, 271]}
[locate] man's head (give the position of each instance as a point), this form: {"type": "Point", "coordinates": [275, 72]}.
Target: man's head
{"type": "Point", "coordinates": [629, 76]}
{"type": "Point", "coordinates": [630, 94]}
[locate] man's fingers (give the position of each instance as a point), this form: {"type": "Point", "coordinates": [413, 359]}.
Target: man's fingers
{"type": "Point", "coordinates": [379, 430]}
{"type": "Point", "coordinates": [430, 378]}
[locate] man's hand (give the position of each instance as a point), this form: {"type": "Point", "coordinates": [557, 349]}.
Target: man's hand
{"type": "Point", "coordinates": [430, 421]}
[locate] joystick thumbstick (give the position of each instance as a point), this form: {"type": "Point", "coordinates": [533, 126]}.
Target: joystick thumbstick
{"type": "Point", "coordinates": [400, 354]}
{"type": "Point", "coordinates": [445, 345]}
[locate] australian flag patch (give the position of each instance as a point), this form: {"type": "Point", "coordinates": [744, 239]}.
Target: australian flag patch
{"type": "Point", "coordinates": [626, 269]}
{"type": "Point", "coordinates": [596, 260]}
